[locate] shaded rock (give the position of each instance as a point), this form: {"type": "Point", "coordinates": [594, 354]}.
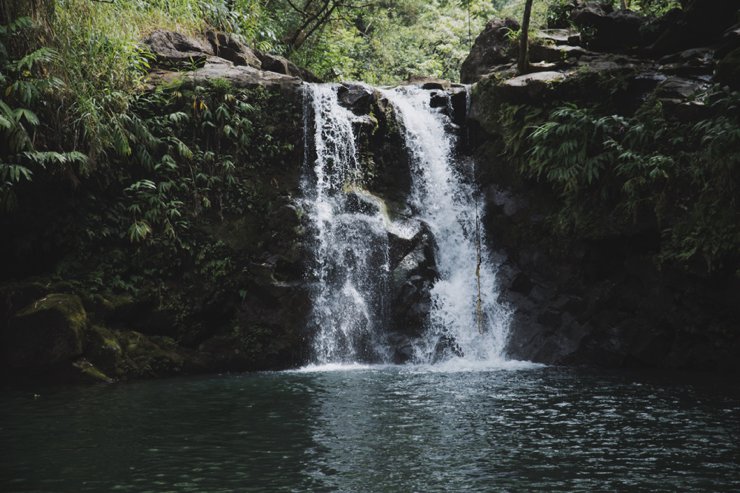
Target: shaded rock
{"type": "Point", "coordinates": [728, 70]}
{"type": "Point", "coordinates": [175, 50]}
{"type": "Point", "coordinates": [239, 77]}
{"type": "Point", "coordinates": [605, 30]}
{"type": "Point", "coordinates": [429, 83]}
{"type": "Point", "coordinates": [45, 333]}
{"type": "Point", "coordinates": [88, 373]}
{"type": "Point", "coordinates": [459, 103]}
{"type": "Point", "coordinates": [390, 170]}
{"type": "Point", "coordinates": [281, 65]}
{"type": "Point", "coordinates": [103, 348]}
{"type": "Point", "coordinates": [677, 97]}
{"type": "Point", "coordinates": [696, 61]}
{"type": "Point", "coordinates": [412, 279]}
{"type": "Point", "coordinates": [521, 284]}
{"type": "Point", "coordinates": [494, 46]}
{"type": "Point", "coordinates": [356, 97]}
{"type": "Point", "coordinates": [559, 55]}
{"type": "Point", "coordinates": [233, 49]}
{"type": "Point", "coordinates": [529, 87]}
{"type": "Point", "coordinates": [18, 295]}
{"type": "Point", "coordinates": [363, 202]}
{"type": "Point", "coordinates": [446, 348]}
{"type": "Point", "coordinates": [438, 99]}
{"type": "Point", "coordinates": [401, 346]}
{"type": "Point", "coordinates": [701, 23]}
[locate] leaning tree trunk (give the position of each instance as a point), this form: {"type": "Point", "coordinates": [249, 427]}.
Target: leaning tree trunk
{"type": "Point", "coordinates": [522, 65]}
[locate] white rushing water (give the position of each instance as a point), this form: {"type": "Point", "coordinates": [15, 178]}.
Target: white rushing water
{"type": "Point", "coordinates": [447, 202]}
{"type": "Point", "coordinates": [351, 247]}
{"type": "Point", "coordinates": [351, 269]}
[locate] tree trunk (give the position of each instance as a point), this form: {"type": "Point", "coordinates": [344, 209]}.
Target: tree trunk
{"type": "Point", "coordinates": [522, 65]}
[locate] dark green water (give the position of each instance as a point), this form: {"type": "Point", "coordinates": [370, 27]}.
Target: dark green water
{"type": "Point", "coordinates": [376, 430]}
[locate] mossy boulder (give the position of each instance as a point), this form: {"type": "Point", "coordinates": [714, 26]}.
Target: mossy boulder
{"type": "Point", "coordinates": [47, 332]}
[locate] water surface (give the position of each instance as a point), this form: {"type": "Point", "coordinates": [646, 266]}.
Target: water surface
{"type": "Point", "coordinates": [377, 429]}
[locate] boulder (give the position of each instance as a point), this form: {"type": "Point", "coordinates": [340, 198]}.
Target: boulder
{"type": "Point", "coordinates": [557, 54]}
{"type": "Point", "coordinates": [47, 332]}
{"type": "Point", "coordinates": [230, 47]}
{"type": "Point", "coordinates": [390, 171]}
{"type": "Point", "coordinates": [438, 99]}
{"type": "Point", "coordinates": [529, 87]}
{"type": "Point", "coordinates": [175, 50]}
{"type": "Point", "coordinates": [356, 97]}
{"type": "Point", "coordinates": [494, 46]}
{"type": "Point", "coordinates": [695, 61]}
{"type": "Point", "coordinates": [606, 30]}
{"type": "Point", "coordinates": [446, 348]}
{"type": "Point", "coordinates": [401, 348]}
{"type": "Point", "coordinates": [459, 103]}
{"type": "Point", "coordinates": [281, 65]}
{"type": "Point", "coordinates": [701, 23]}
{"type": "Point", "coordinates": [413, 273]}
{"type": "Point", "coordinates": [728, 70]}
{"type": "Point", "coordinates": [244, 77]}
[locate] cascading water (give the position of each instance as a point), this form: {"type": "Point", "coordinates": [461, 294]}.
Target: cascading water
{"type": "Point", "coordinates": [351, 239]}
{"type": "Point", "coordinates": [351, 248]}
{"type": "Point", "coordinates": [446, 201]}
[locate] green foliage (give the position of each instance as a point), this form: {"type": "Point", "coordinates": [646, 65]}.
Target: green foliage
{"type": "Point", "coordinates": [684, 175]}
{"type": "Point", "coordinates": [24, 83]}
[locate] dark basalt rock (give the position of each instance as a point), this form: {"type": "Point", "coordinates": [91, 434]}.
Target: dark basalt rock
{"type": "Point", "coordinates": [47, 332]}
{"type": "Point", "coordinates": [230, 47]}
{"type": "Point", "coordinates": [494, 46]}
{"type": "Point", "coordinates": [175, 50]}
{"type": "Point", "coordinates": [446, 348]}
{"type": "Point", "coordinates": [413, 273]}
{"type": "Point", "coordinates": [356, 97]}
{"type": "Point", "coordinates": [281, 65]}
{"type": "Point", "coordinates": [438, 99]}
{"type": "Point", "coordinates": [701, 23]}
{"type": "Point", "coordinates": [728, 70]}
{"type": "Point", "coordinates": [608, 30]}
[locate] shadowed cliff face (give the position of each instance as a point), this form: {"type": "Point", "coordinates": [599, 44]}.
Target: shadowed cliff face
{"type": "Point", "coordinates": [590, 282]}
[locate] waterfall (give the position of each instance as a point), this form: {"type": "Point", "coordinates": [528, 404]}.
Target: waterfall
{"type": "Point", "coordinates": [351, 241]}
{"type": "Point", "coordinates": [351, 265]}
{"type": "Point", "coordinates": [446, 200]}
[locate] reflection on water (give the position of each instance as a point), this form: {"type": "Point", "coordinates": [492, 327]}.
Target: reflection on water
{"type": "Point", "coordinates": [377, 429]}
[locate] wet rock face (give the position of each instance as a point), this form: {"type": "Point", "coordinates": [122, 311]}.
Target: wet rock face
{"type": "Point", "coordinates": [413, 273]}
{"type": "Point", "coordinates": [356, 97]}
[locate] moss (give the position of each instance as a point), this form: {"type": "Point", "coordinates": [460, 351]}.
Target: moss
{"type": "Point", "coordinates": [89, 373]}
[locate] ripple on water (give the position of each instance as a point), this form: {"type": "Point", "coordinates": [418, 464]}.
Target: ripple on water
{"type": "Point", "coordinates": [369, 428]}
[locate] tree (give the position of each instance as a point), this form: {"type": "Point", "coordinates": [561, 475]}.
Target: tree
{"type": "Point", "coordinates": [313, 15]}
{"type": "Point", "coordinates": [523, 62]}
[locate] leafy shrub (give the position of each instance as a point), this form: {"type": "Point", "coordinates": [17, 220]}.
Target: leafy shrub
{"type": "Point", "coordinates": [685, 175]}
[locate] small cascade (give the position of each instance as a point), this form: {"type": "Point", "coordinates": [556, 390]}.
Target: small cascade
{"type": "Point", "coordinates": [462, 323]}
{"type": "Point", "coordinates": [351, 241]}
{"type": "Point", "coordinates": [351, 265]}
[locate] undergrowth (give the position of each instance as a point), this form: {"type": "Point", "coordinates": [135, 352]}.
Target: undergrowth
{"type": "Point", "coordinates": [611, 172]}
